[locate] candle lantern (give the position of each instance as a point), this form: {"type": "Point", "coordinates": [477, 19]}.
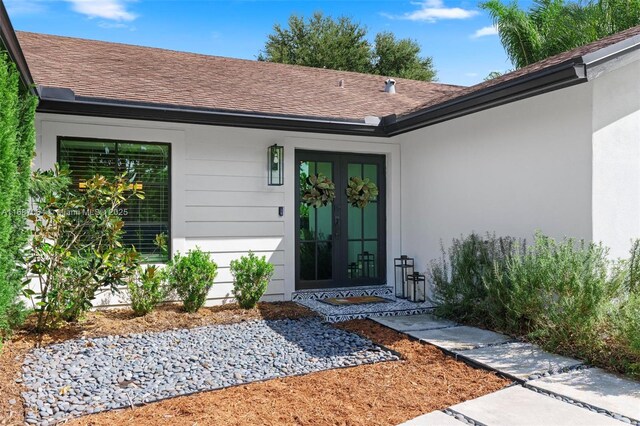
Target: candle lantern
{"type": "Point", "coordinates": [415, 283]}
{"type": "Point", "coordinates": [367, 262]}
{"type": "Point", "coordinates": [353, 270]}
{"type": "Point", "coordinates": [403, 266]}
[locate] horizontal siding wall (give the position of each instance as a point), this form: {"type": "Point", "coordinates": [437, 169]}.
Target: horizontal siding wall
{"type": "Point", "coordinates": [221, 202]}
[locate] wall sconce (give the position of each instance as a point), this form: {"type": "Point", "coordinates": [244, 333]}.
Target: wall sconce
{"type": "Point", "coordinates": [276, 165]}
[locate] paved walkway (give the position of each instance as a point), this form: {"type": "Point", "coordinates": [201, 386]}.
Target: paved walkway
{"type": "Point", "coordinates": [548, 389]}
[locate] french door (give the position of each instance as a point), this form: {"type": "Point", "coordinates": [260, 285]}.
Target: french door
{"type": "Point", "coordinates": [338, 244]}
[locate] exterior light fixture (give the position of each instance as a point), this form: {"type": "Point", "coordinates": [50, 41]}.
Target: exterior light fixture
{"type": "Point", "coordinates": [276, 165]}
{"type": "Point", "coordinates": [415, 281]}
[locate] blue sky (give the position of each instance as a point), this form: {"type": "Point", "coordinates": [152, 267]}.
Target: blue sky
{"type": "Point", "coordinates": [457, 34]}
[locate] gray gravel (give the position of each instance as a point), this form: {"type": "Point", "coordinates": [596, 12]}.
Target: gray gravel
{"type": "Point", "coordinates": [86, 376]}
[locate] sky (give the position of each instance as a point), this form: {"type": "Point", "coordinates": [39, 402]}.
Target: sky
{"type": "Point", "coordinates": [458, 35]}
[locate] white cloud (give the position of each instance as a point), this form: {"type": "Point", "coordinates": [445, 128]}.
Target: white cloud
{"type": "Point", "coordinates": [485, 31]}
{"type": "Point", "coordinates": [24, 7]}
{"type": "Point", "coordinates": [435, 10]}
{"type": "Point", "coordinates": [114, 10]}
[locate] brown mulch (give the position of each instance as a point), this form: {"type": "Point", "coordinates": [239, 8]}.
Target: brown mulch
{"type": "Point", "coordinates": [119, 321]}
{"type": "Point", "coordinates": [386, 393]}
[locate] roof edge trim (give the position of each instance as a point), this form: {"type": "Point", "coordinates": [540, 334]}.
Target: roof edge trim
{"type": "Point", "coordinates": [10, 42]}
{"type": "Point", "coordinates": [64, 104]}
{"type": "Point", "coordinates": [562, 75]}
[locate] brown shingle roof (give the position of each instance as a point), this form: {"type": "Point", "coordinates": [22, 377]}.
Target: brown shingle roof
{"type": "Point", "coordinates": [122, 72]}
{"type": "Point", "coordinates": [574, 54]}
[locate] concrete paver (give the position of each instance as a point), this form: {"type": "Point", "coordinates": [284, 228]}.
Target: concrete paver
{"type": "Point", "coordinates": [459, 338]}
{"type": "Point", "coordinates": [435, 418]}
{"type": "Point", "coordinates": [598, 388]}
{"type": "Point", "coordinates": [519, 360]}
{"type": "Point", "coordinates": [517, 406]}
{"type": "Point", "coordinates": [414, 322]}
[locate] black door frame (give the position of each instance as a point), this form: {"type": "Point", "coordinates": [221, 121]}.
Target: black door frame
{"type": "Point", "coordinates": [340, 162]}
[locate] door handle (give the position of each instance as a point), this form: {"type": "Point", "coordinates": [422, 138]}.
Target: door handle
{"type": "Point", "coordinates": [336, 226]}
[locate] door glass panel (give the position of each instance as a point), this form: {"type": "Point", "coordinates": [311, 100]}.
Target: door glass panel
{"type": "Point", "coordinates": [307, 261]}
{"type": "Point", "coordinates": [370, 221]}
{"type": "Point", "coordinates": [316, 227]}
{"type": "Point", "coordinates": [325, 260]}
{"type": "Point", "coordinates": [355, 222]}
{"type": "Point", "coordinates": [371, 172]}
{"type": "Point", "coordinates": [355, 248]}
{"type": "Point", "coordinates": [324, 222]}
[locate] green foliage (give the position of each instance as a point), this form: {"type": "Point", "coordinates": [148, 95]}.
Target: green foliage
{"type": "Point", "coordinates": [361, 191]}
{"type": "Point", "coordinates": [76, 246]}
{"type": "Point", "coordinates": [401, 58]}
{"type": "Point", "coordinates": [318, 191]}
{"type": "Point", "coordinates": [147, 289]}
{"type": "Point", "coordinates": [17, 142]}
{"type": "Point", "coordinates": [341, 44]}
{"type": "Point", "coordinates": [550, 27]}
{"type": "Point", "coordinates": [567, 296]}
{"type": "Point", "coordinates": [191, 277]}
{"type": "Point", "coordinates": [251, 275]}
{"type": "Point", "coordinates": [460, 276]}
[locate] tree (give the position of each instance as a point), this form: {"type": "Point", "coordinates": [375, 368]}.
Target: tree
{"type": "Point", "coordinates": [400, 58]}
{"type": "Point", "coordinates": [550, 27]}
{"type": "Point", "coordinates": [341, 44]}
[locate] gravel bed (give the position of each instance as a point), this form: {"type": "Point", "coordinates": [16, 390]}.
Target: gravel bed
{"type": "Point", "coordinates": [87, 376]}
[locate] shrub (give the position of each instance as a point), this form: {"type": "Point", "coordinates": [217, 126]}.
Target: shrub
{"type": "Point", "coordinates": [192, 276]}
{"type": "Point", "coordinates": [146, 290]}
{"type": "Point", "coordinates": [17, 142]}
{"type": "Point", "coordinates": [76, 245]}
{"type": "Point", "coordinates": [251, 275]}
{"type": "Point", "coordinates": [460, 277]}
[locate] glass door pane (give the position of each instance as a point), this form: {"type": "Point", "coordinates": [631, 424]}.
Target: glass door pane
{"type": "Point", "coordinates": [363, 254]}
{"type": "Point", "coordinates": [315, 226]}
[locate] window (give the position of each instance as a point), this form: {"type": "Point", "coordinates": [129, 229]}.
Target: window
{"type": "Point", "coordinates": [144, 163]}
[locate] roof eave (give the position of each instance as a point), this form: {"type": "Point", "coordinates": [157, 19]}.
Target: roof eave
{"type": "Point", "coordinates": [64, 102]}
{"type": "Point", "coordinates": [11, 44]}
{"type": "Point", "coordinates": [562, 75]}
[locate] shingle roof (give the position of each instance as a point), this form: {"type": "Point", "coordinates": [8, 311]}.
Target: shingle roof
{"type": "Point", "coordinates": [571, 55]}
{"type": "Point", "coordinates": [122, 72]}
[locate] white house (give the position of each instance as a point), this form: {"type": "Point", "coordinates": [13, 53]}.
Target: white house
{"type": "Point", "coordinates": [553, 147]}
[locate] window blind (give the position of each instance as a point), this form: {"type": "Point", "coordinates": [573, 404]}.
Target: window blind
{"type": "Point", "coordinates": [146, 164]}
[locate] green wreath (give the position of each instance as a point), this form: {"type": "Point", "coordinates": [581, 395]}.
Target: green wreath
{"type": "Point", "coordinates": [318, 191]}
{"type": "Point", "coordinates": [361, 191]}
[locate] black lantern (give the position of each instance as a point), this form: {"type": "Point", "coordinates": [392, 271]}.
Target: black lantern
{"type": "Point", "coordinates": [403, 266]}
{"type": "Point", "coordinates": [353, 270]}
{"type": "Point", "coordinates": [414, 282]}
{"type": "Point", "coordinates": [368, 263]}
{"type": "Point", "coordinates": [276, 165]}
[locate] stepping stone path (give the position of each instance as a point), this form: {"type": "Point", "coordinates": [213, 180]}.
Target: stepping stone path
{"type": "Point", "coordinates": [86, 376]}
{"type": "Point", "coordinates": [552, 389]}
{"type": "Point", "coordinates": [520, 360]}
{"type": "Point", "coordinates": [516, 405]}
{"type": "Point", "coordinates": [596, 388]}
{"type": "Point", "coordinates": [460, 338]}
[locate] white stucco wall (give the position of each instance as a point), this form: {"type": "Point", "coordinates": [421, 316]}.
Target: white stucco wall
{"type": "Point", "coordinates": [511, 170]}
{"type": "Point", "coordinates": [220, 198]}
{"type": "Point", "coordinates": [616, 158]}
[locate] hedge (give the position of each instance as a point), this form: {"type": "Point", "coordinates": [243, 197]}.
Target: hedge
{"type": "Point", "coordinates": [17, 143]}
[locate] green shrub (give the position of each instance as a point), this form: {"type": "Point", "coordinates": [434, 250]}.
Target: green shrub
{"type": "Point", "coordinates": [17, 142]}
{"type": "Point", "coordinates": [191, 277]}
{"type": "Point", "coordinates": [460, 277]}
{"type": "Point", "coordinates": [76, 245]}
{"type": "Point", "coordinates": [251, 275]}
{"type": "Point", "coordinates": [147, 290]}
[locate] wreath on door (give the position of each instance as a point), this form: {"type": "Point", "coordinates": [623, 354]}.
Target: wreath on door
{"type": "Point", "coordinates": [361, 192]}
{"type": "Point", "coordinates": [318, 191]}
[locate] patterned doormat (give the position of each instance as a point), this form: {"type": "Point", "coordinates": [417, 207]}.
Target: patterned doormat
{"type": "Point", "coordinates": [355, 300]}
